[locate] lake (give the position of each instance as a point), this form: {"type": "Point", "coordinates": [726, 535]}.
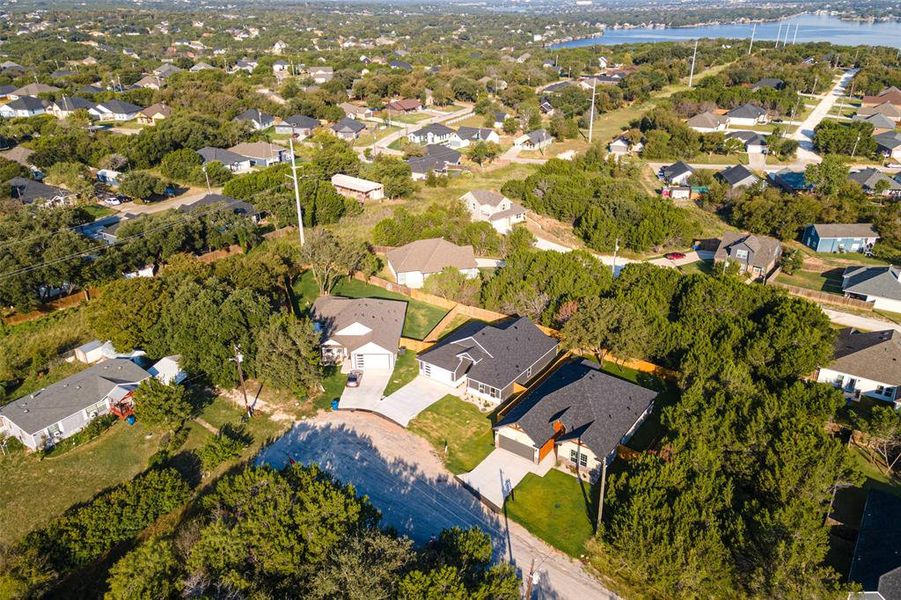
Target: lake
{"type": "Point", "coordinates": [811, 28]}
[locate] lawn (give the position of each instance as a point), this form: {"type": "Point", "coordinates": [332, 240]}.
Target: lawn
{"type": "Point", "coordinates": [829, 281]}
{"type": "Point", "coordinates": [35, 491]}
{"type": "Point", "coordinates": [405, 370]}
{"type": "Point", "coordinates": [333, 385]}
{"type": "Point", "coordinates": [97, 210]}
{"type": "Point", "coordinates": [421, 317]}
{"type": "Point", "coordinates": [700, 266]}
{"type": "Point", "coordinates": [461, 428]}
{"type": "Point", "coordinates": [558, 508]}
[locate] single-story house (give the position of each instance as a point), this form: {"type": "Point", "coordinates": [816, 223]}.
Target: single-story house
{"type": "Point", "coordinates": [495, 208]}
{"type": "Point", "coordinates": [32, 89]}
{"type": "Point", "coordinates": [622, 147]}
{"type": "Point", "coordinates": [886, 109]}
{"type": "Point", "coordinates": [256, 118]}
{"type": "Point", "coordinates": [348, 129]}
{"type": "Point", "coordinates": [879, 285]}
{"type": "Point", "coordinates": [579, 415]}
{"type": "Point", "coordinates": [768, 82]}
{"type": "Point", "coordinates": [400, 64]}
{"type": "Point", "coordinates": [490, 361]}
{"type": "Point", "coordinates": [471, 135]}
{"type": "Point", "coordinates": [300, 126]}
{"type": "Point", "coordinates": [29, 191]}
{"type": "Point", "coordinates": [889, 94]}
{"type": "Point", "coordinates": [707, 122]}
{"type": "Point", "coordinates": [413, 263]}
{"type": "Point", "coordinates": [236, 163]}
{"type": "Point", "coordinates": [738, 176]}
{"type": "Point", "coordinates": [889, 144]}
{"type": "Point", "coordinates": [355, 111]}
{"type": "Point", "coordinates": [6, 90]}
{"type": "Point", "coordinates": [880, 123]}
{"type": "Point", "coordinates": [201, 66]}
{"type": "Point", "coordinates": [365, 331]}
{"type": "Point", "coordinates": [874, 181]}
{"type": "Point", "coordinates": [790, 181]}
{"type": "Point", "coordinates": [756, 255]}
{"type": "Point", "coordinates": [45, 417]}
{"type": "Point", "coordinates": [108, 176]}
{"type": "Point", "coordinates": [321, 75]}
{"type": "Point", "coordinates": [166, 70]}
{"type": "Point", "coordinates": [677, 173]}
{"type": "Point", "coordinates": [66, 106]}
{"type": "Point", "coordinates": [754, 142]}
{"type": "Point", "coordinates": [435, 133]}
{"type": "Point", "coordinates": [876, 564]}
{"type": "Point", "coordinates": [534, 140]}
{"type": "Point", "coordinates": [26, 106]}
{"type": "Point", "coordinates": [499, 118]}
{"type": "Point", "coordinates": [840, 237]}
{"type": "Point", "coordinates": [209, 202]}
{"type": "Point", "coordinates": [747, 114]}
{"type": "Point", "coordinates": [149, 82]}
{"type": "Point", "coordinates": [865, 364]}
{"type": "Point", "coordinates": [154, 113]}
{"type": "Point", "coordinates": [262, 154]}
{"type": "Point", "coordinates": [404, 105]}
{"type": "Point", "coordinates": [357, 188]}
{"type": "Point", "coordinates": [168, 370]}
{"type": "Point", "coordinates": [115, 110]}
{"type": "Point", "coordinates": [437, 159]}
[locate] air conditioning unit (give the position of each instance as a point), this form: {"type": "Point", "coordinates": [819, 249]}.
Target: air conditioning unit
{"type": "Point", "coordinates": [93, 414]}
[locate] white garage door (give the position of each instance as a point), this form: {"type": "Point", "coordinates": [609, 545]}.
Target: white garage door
{"type": "Point", "coordinates": [372, 362]}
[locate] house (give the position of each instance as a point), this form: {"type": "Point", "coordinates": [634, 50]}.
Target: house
{"type": "Point", "coordinates": [880, 123]}
{"type": "Point", "coordinates": [19, 154]}
{"type": "Point", "coordinates": [262, 154]}
{"type": "Point", "coordinates": [401, 65]}
{"type": "Point", "coordinates": [435, 133]}
{"type": "Point", "coordinates": [256, 118]}
{"type": "Point", "coordinates": [747, 114]}
{"type": "Point", "coordinates": [235, 162]}
{"type": "Point", "coordinates": [839, 237]}
{"type": "Point", "coordinates": [245, 64]}
{"type": "Point", "coordinates": [201, 66]}
{"type": "Point", "coordinates": [33, 89]}
{"type": "Point", "coordinates": [499, 118]}
{"type": "Point", "coordinates": [212, 202]}
{"type": "Point", "coordinates": [579, 416]}
{"type": "Point", "coordinates": [29, 191]}
{"type": "Point", "coordinates": [534, 140]}
{"type": "Point", "coordinates": [90, 89]}
{"type": "Point", "coordinates": [166, 70]}
{"type": "Point", "coordinates": [890, 94]}
{"type": "Point", "coordinates": [437, 159]}
{"type": "Point", "coordinates": [790, 181]}
{"type": "Point", "coordinates": [707, 122]}
{"type": "Point", "coordinates": [677, 173]}
{"type": "Point", "coordinates": [281, 68]}
{"type": "Point", "coordinates": [621, 147]}
{"type": "Point", "coordinates": [471, 135]}
{"type": "Point", "coordinates": [6, 90]}
{"type": "Point", "coordinates": [876, 564]}
{"type": "Point", "coordinates": [489, 361]}
{"type": "Point", "coordinates": [299, 126]}
{"type": "Point", "coordinates": [154, 113]}
{"type": "Point", "coordinates": [115, 110]}
{"type": "Point", "coordinates": [168, 370]}
{"type": "Point", "coordinates": [348, 129]}
{"type": "Point", "coordinates": [768, 83]}
{"type": "Point", "coordinates": [865, 364]}
{"type": "Point", "coordinates": [26, 106]}
{"type": "Point", "coordinates": [358, 189]}
{"type": "Point", "coordinates": [557, 87]}
{"type": "Point", "coordinates": [738, 176]}
{"type": "Point", "coordinates": [886, 109]}
{"type": "Point", "coordinates": [498, 210]}
{"type": "Point", "coordinates": [108, 176]}
{"type": "Point", "coordinates": [880, 286]}
{"type": "Point", "coordinates": [889, 144]}
{"type": "Point", "coordinates": [404, 105]}
{"type": "Point", "coordinates": [545, 106]}
{"type": "Point", "coordinates": [278, 47]}
{"type": "Point", "coordinates": [45, 417]}
{"type": "Point", "coordinates": [150, 82]}
{"type": "Point", "coordinates": [365, 331]}
{"type": "Point", "coordinates": [321, 75]}
{"type": "Point", "coordinates": [66, 106]}
{"type": "Point", "coordinates": [756, 255]}
{"type": "Point", "coordinates": [356, 112]}
{"type": "Point", "coordinates": [754, 143]}
{"type": "Point", "coordinates": [413, 263]}
{"type": "Point", "coordinates": [876, 182]}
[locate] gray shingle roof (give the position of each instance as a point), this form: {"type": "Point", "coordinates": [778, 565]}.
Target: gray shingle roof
{"type": "Point", "coordinates": [869, 177]}
{"type": "Point", "coordinates": [474, 133]}
{"type": "Point", "coordinates": [876, 565]}
{"type": "Point", "coordinates": [492, 354]}
{"type": "Point", "coordinates": [889, 139]}
{"type": "Point", "coordinates": [256, 116]}
{"type": "Point", "coordinates": [675, 170]}
{"type": "Point", "coordinates": [119, 107]}
{"type": "Point", "coordinates": [348, 124]}
{"type": "Point", "coordinates": [29, 190]}
{"type": "Point", "coordinates": [873, 281]}
{"type": "Point", "coordinates": [707, 120]}
{"type": "Point", "coordinates": [765, 249]}
{"type": "Point", "coordinates": [594, 407]}
{"type": "Point", "coordinates": [26, 103]}
{"type": "Point", "coordinates": [383, 318]}
{"type": "Point", "coordinates": [746, 111]}
{"type": "Point", "coordinates": [239, 207]}
{"type": "Point", "coordinates": [737, 174]}
{"type": "Point", "coordinates": [226, 157]}
{"type": "Point", "coordinates": [431, 256]}
{"type": "Point", "coordinates": [845, 230]}
{"type": "Point", "coordinates": [301, 122]}
{"type": "Point", "coordinates": [436, 129]}
{"type": "Point", "coordinates": [874, 355]}
{"type": "Point", "coordinates": [39, 410]}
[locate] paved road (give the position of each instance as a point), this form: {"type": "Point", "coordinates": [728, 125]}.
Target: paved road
{"type": "Point", "coordinates": [381, 145]}
{"type": "Point", "coordinates": [415, 493]}
{"type": "Point", "coordinates": [804, 133]}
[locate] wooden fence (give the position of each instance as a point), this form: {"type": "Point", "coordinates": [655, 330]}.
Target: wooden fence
{"type": "Point", "coordinates": [60, 303]}
{"type": "Point", "coordinates": [822, 297]}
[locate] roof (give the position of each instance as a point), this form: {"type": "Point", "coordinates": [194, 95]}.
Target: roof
{"type": "Point", "coordinates": [876, 565]}
{"type": "Point", "coordinates": [747, 137]}
{"type": "Point", "coordinates": [404, 104]}
{"type": "Point", "coordinates": [19, 154]}
{"type": "Point", "coordinates": [707, 120]}
{"type": "Point", "coordinates": [436, 129]}
{"type": "Point", "coordinates": [239, 207]}
{"type": "Point", "coordinates": [226, 157]}
{"type": "Point", "coordinates": [746, 111]}
{"type": "Point", "coordinates": [157, 109]}
{"type": "Point", "coordinates": [29, 190]}
{"type": "Point", "coordinates": [764, 248]}
{"type": "Point", "coordinates": [675, 170]}
{"type": "Point", "coordinates": [474, 133]}
{"type": "Point", "coordinates": [384, 320]}
{"type": "Point", "coordinates": [39, 410]}
{"type": "Point", "coordinates": [348, 124]}
{"type": "Point", "coordinates": [495, 355]}
{"type": "Point", "coordinates": [33, 89]}
{"type": "Point", "coordinates": [845, 230]}
{"type": "Point", "coordinates": [769, 82]}
{"type": "Point", "coordinates": [256, 116]}
{"type": "Point", "coordinates": [889, 139]}
{"type": "Point", "coordinates": [166, 69]}
{"type": "Point", "coordinates": [69, 103]}
{"type": "Point", "coordinates": [26, 103]}
{"type": "Point", "coordinates": [736, 174]}
{"type": "Point", "coordinates": [795, 181]}
{"type": "Point", "coordinates": [538, 136]}
{"type": "Point", "coordinates": [881, 282]}
{"type": "Point", "coordinates": [119, 107]}
{"type": "Point", "coordinates": [301, 122]}
{"type": "Point", "coordinates": [874, 355]}
{"type": "Point", "coordinates": [357, 184]}
{"type": "Point", "coordinates": [878, 121]}
{"type": "Point", "coordinates": [431, 256]}
{"type": "Point", "coordinates": [891, 94]}
{"type": "Point", "coordinates": [267, 150]}
{"type": "Point", "coordinates": [868, 179]}
{"type": "Point", "coordinates": [886, 109]}
{"type": "Point", "coordinates": [486, 197]}
{"type": "Point", "coordinates": [594, 407]}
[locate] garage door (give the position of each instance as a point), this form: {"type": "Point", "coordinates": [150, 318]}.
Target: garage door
{"type": "Point", "coordinates": [515, 447]}
{"type": "Point", "coordinates": [372, 362]}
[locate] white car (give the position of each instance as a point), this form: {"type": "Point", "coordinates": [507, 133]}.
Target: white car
{"type": "Point", "coordinates": [112, 201]}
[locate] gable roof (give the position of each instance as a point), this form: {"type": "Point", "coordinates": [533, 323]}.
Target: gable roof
{"type": "Point", "coordinates": [357, 184]}
{"type": "Point", "coordinates": [874, 355]}
{"type": "Point", "coordinates": [769, 82]}
{"type": "Point", "coordinates": [736, 174]}
{"type": "Point", "coordinates": [891, 94]}
{"type": "Point", "coordinates": [29, 190]}
{"type": "Point", "coordinates": [70, 103]}
{"type": "Point", "coordinates": [886, 109]}
{"type": "Point", "coordinates": [707, 120]}
{"type": "Point", "coordinates": [764, 248]}
{"type": "Point", "coordinates": [255, 115]}
{"type": "Point", "coordinates": [226, 157]}
{"type": "Point", "coordinates": [266, 150]}
{"type": "Point", "coordinates": [431, 256]}
{"type": "Point", "coordinates": [594, 407]}
{"type": "Point", "coordinates": [495, 355]}
{"type": "Point", "coordinates": [33, 89]}
{"type": "Point", "coordinates": [747, 137]}
{"type": "Point", "coordinates": [436, 129]}
{"type": "Point", "coordinates": [845, 230]}
{"type": "Point", "coordinates": [869, 177]}
{"type": "Point", "coordinates": [39, 410]}
{"type": "Point", "coordinates": [239, 207]}
{"type": "Point", "coordinates": [876, 565]}
{"type": "Point", "coordinates": [118, 107]}
{"type": "Point", "coordinates": [475, 133]}
{"type": "Point", "coordinates": [486, 197]}
{"type": "Point", "coordinates": [348, 124]}
{"type": "Point", "coordinates": [873, 281]}
{"type": "Point", "coordinates": [878, 121]}
{"type": "Point", "coordinates": [404, 104]}
{"type": "Point", "coordinates": [746, 111]}
{"type": "Point", "coordinates": [675, 170]}
{"type": "Point", "coordinates": [383, 318]}
{"type": "Point", "coordinates": [157, 109]}
{"type": "Point", "coordinates": [26, 103]}
{"type": "Point", "coordinates": [889, 139]}
{"type": "Point", "coordinates": [301, 122]}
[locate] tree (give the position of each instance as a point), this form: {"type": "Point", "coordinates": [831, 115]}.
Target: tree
{"type": "Point", "coordinates": [482, 152]}
{"type": "Point", "coordinates": [829, 176]}
{"type": "Point", "coordinates": [73, 176]}
{"type": "Point", "coordinates": [330, 258]}
{"type": "Point", "coordinates": [149, 572]}
{"type": "Point", "coordinates": [227, 444]}
{"type": "Point", "coordinates": [367, 565]}
{"type": "Point", "coordinates": [288, 355]}
{"type": "Point", "coordinates": [392, 172]}
{"type": "Point", "coordinates": [450, 283]}
{"type": "Point", "coordinates": [179, 164]}
{"type": "Point", "coordinates": [511, 125]}
{"type": "Point", "coordinates": [161, 406]}
{"type": "Point", "coordinates": [126, 312]}
{"type": "Point", "coordinates": [141, 185]}
{"type": "Point", "coordinates": [884, 430]}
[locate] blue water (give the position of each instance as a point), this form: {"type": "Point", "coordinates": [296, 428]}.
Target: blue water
{"type": "Point", "coordinates": [811, 28]}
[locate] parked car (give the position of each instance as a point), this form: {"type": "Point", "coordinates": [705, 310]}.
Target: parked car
{"type": "Point", "coordinates": [112, 201]}
{"type": "Point", "coordinates": [674, 255]}
{"type": "Point", "coordinates": [354, 378]}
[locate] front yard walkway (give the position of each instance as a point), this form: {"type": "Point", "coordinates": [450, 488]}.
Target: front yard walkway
{"type": "Point", "coordinates": [500, 472]}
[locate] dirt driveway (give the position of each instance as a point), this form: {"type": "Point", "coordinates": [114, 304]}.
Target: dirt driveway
{"type": "Point", "coordinates": [406, 481]}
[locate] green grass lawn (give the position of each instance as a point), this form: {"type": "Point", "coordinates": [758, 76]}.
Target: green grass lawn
{"type": "Point", "coordinates": [701, 266]}
{"type": "Point", "coordinates": [421, 317]}
{"type": "Point", "coordinates": [830, 281]}
{"type": "Point", "coordinates": [466, 431]}
{"type": "Point", "coordinates": [557, 508]}
{"type": "Point", "coordinates": [333, 384]}
{"type": "Point", "coordinates": [97, 210]}
{"type": "Point", "coordinates": [405, 370]}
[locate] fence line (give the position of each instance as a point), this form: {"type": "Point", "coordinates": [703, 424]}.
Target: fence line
{"type": "Point", "coordinates": [822, 297]}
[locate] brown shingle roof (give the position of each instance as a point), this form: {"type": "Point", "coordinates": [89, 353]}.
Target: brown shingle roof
{"type": "Point", "coordinates": [431, 256]}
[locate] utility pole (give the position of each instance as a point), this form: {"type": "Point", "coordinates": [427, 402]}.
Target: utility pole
{"type": "Point", "coordinates": [591, 116]}
{"type": "Point", "coordinates": [694, 55]}
{"type": "Point", "coordinates": [615, 250]}
{"type": "Point", "coordinates": [530, 581]}
{"type": "Point", "coordinates": [207, 175]}
{"type": "Point", "coordinates": [239, 358]}
{"type": "Point", "coordinates": [753, 32]}
{"type": "Point", "coordinates": [779, 34]}
{"type": "Point", "coordinates": [854, 150]}
{"type": "Point", "coordinates": [601, 498]}
{"type": "Point", "coordinates": [296, 191]}
{"type": "Point", "coordinates": [795, 38]}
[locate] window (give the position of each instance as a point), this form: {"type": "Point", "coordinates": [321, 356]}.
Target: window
{"type": "Point", "coordinates": [839, 380]}
{"type": "Point", "coordinates": [528, 372]}
{"type": "Point", "coordinates": [489, 391]}
{"type": "Point", "coordinates": [577, 457]}
{"type": "Point", "coordinates": [97, 407]}
{"type": "Point", "coordinates": [880, 389]}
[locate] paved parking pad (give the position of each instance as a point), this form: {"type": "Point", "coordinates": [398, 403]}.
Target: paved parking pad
{"type": "Point", "coordinates": [368, 394]}
{"type": "Point", "coordinates": [403, 405]}
{"type": "Point", "coordinates": [501, 471]}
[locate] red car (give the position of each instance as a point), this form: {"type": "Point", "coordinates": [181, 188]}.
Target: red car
{"type": "Point", "coordinates": [674, 255]}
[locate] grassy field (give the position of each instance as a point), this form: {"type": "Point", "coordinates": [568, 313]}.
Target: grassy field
{"type": "Point", "coordinates": [830, 281]}
{"type": "Point", "coordinates": [462, 427]}
{"type": "Point", "coordinates": [557, 508]}
{"type": "Point", "coordinates": [421, 317]}
{"type": "Point", "coordinates": [405, 370]}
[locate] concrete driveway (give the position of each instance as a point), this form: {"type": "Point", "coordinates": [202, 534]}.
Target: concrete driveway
{"type": "Point", "coordinates": [690, 257]}
{"type": "Point", "coordinates": [403, 405]}
{"type": "Point", "coordinates": [368, 395]}
{"type": "Point", "coordinates": [501, 471]}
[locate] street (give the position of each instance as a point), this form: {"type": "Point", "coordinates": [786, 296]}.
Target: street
{"type": "Point", "coordinates": [804, 133]}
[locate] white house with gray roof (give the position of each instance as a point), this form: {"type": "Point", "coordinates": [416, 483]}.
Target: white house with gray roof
{"type": "Point", "coordinates": [879, 285]}
{"type": "Point", "coordinates": [363, 333]}
{"type": "Point", "coordinates": [58, 411]}
{"type": "Point", "coordinates": [498, 210]}
{"type": "Point", "coordinates": [412, 263]}
{"type": "Point", "coordinates": [865, 364]}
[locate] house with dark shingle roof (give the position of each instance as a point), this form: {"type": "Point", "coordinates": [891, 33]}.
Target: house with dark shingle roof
{"type": "Point", "coordinates": [756, 255]}
{"type": "Point", "coordinates": [437, 159]}
{"type": "Point", "coordinates": [256, 118]}
{"type": "Point", "coordinates": [840, 237]}
{"type": "Point", "coordinates": [876, 564]}
{"type": "Point", "coordinates": [738, 176]}
{"type": "Point", "coordinates": [534, 140]}
{"type": "Point", "coordinates": [115, 110]}
{"type": "Point", "coordinates": [755, 143]}
{"type": "Point", "coordinates": [67, 105]}
{"type": "Point", "coordinates": [412, 263]}
{"type": "Point", "coordinates": [676, 173]}
{"type": "Point", "coordinates": [886, 109]}
{"type": "Point", "coordinates": [889, 144]}
{"type": "Point", "coordinates": [29, 191]}
{"type": "Point", "coordinates": [768, 82]}
{"type": "Point", "coordinates": [874, 181]}
{"type": "Point", "coordinates": [879, 285]}
{"type": "Point", "coordinates": [706, 122]}
{"type": "Point", "coordinates": [236, 163]}
{"type": "Point", "coordinates": [26, 106]}
{"type": "Point", "coordinates": [348, 129]}
{"type": "Point", "coordinates": [489, 361]}
{"type": "Point", "coordinates": [365, 331]}
{"type": "Point", "coordinates": [747, 114]}
{"type": "Point", "coordinates": [212, 202]}
{"type": "Point", "coordinates": [579, 414]}
{"type": "Point", "coordinates": [471, 135]}
{"type": "Point", "coordinates": [300, 126]}
{"type": "Point", "coordinates": [435, 133]}
{"type": "Point", "coordinates": [865, 364]}
{"type": "Point", "coordinates": [880, 123]}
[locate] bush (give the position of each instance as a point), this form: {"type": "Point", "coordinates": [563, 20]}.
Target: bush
{"type": "Point", "coordinates": [91, 431]}
{"type": "Point", "coordinates": [225, 445]}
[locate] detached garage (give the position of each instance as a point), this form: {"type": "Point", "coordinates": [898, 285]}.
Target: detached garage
{"type": "Point", "coordinates": [364, 331]}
